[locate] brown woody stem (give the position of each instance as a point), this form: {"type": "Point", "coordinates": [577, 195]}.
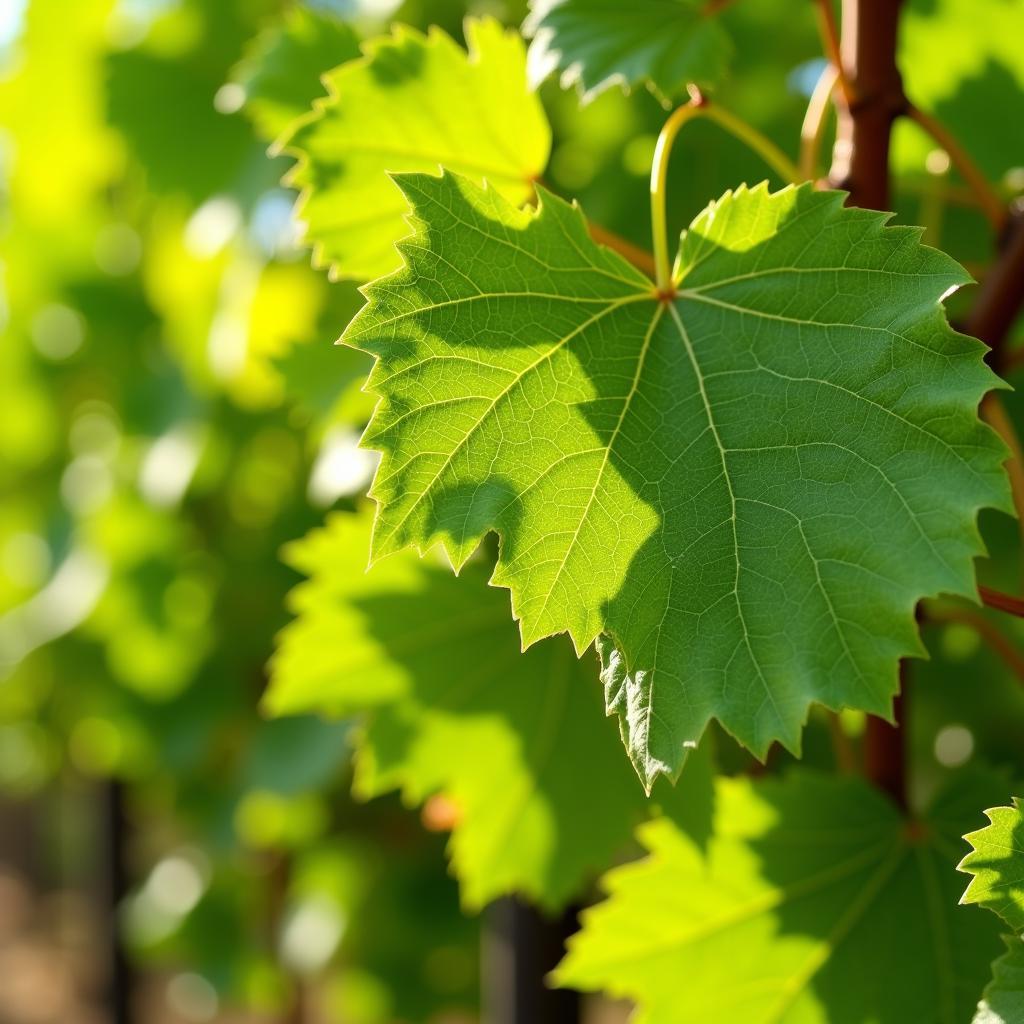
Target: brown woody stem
{"type": "Point", "coordinates": [1001, 294]}
{"type": "Point", "coordinates": [861, 165]}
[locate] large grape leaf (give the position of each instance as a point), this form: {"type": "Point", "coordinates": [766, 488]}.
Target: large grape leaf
{"type": "Point", "coordinates": [1003, 1001]}
{"type": "Point", "coordinates": [598, 43]}
{"type": "Point", "coordinates": [997, 864]}
{"type": "Point", "coordinates": [281, 71]}
{"type": "Point", "coordinates": [743, 491]}
{"type": "Point", "coordinates": [412, 103]}
{"type": "Point", "coordinates": [815, 902]}
{"type": "Point", "coordinates": [517, 742]}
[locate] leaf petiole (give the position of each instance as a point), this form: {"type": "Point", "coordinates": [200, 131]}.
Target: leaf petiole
{"type": "Point", "coordinates": [700, 106]}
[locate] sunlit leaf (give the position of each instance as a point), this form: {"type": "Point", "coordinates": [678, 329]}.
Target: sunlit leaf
{"type": "Point", "coordinates": [743, 491]}
{"type": "Point", "coordinates": [816, 902]}
{"type": "Point", "coordinates": [997, 864]}
{"type": "Point", "coordinates": [413, 103]}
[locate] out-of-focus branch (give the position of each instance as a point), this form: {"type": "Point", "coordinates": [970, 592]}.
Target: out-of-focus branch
{"type": "Point", "coordinates": [813, 128]}
{"type": "Point", "coordinates": [1002, 602]}
{"type": "Point", "coordinates": [830, 44]}
{"type": "Point", "coordinates": [988, 198]}
{"type": "Point", "coordinates": [1012, 657]}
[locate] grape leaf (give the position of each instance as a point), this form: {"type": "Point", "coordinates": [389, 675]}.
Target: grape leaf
{"type": "Point", "coordinates": [454, 707]}
{"type": "Point", "coordinates": [1003, 1001]}
{"type": "Point", "coordinates": [281, 71]}
{"type": "Point", "coordinates": [411, 103]}
{"type": "Point", "coordinates": [997, 864]}
{"type": "Point", "coordinates": [598, 43]}
{"type": "Point", "coordinates": [744, 491]}
{"type": "Point", "coordinates": [816, 902]}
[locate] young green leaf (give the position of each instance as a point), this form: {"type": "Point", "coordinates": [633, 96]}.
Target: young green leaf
{"type": "Point", "coordinates": [815, 902]}
{"type": "Point", "coordinates": [744, 491]}
{"type": "Point", "coordinates": [412, 103]}
{"type": "Point", "coordinates": [1003, 1001]}
{"type": "Point", "coordinates": [997, 864]}
{"type": "Point", "coordinates": [598, 43]}
{"type": "Point", "coordinates": [454, 707]}
{"type": "Point", "coordinates": [281, 72]}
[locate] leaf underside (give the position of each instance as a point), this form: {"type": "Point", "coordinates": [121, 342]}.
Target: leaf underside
{"type": "Point", "coordinates": [414, 102]}
{"type": "Point", "coordinates": [452, 706]}
{"type": "Point", "coordinates": [743, 493]}
{"type": "Point", "coordinates": [598, 43]}
{"type": "Point", "coordinates": [814, 904]}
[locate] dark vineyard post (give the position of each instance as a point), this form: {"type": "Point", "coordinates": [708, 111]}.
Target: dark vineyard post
{"type": "Point", "coordinates": [519, 947]}
{"type": "Point", "coordinates": [115, 886]}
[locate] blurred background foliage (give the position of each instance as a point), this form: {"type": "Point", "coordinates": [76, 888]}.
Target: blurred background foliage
{"type": "Point", "coordinates": [173, 412]}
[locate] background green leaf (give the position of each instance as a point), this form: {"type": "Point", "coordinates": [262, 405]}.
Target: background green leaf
{"type": "Point", "coordinates": [503, 735]}
{"type": "Point", "coordinates": [665, 44]}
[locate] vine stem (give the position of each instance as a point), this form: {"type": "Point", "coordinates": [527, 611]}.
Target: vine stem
{"type": "Point", "coordinates": [700, 106]}
{"type": "Point", "coordinates": [988, 199]}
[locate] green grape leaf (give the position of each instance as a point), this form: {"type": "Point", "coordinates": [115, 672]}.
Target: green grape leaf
{"type": "Point", "coordinates": [815, 902]}
{"type": "Point", "coordinates": [597, 43]}
{"type": "Point", "coordinates": [997, 864]}
{"type": "Point", "coordinates": [281, 72]}
{"type": "Point", "coordinates": [412, 103]}
{"type": "Point", "coordinates": [1003, 1000]}
{"type": "Point", "coordinates": [453, 707]}
{"type": "Point", "coordinates": [743, 492]}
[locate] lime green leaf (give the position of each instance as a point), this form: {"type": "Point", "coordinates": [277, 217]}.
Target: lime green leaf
{"type": "Point", "coordinates": [414, 102]}
{"type": "Point", "coordinates": [997, 864]}
{"type": "Point", "coordinates": [455, 708]}
{"type": "Point", "coordinates": [745, 491]}
{"type": "Point", "coordinates": [816, 903]}
{"type": "Point", "coordinates": [598, 43]}
{"type": "Point", "coordinates": [1003, 1001]}
{"type": "Point", "coordinates": [282, 71]}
